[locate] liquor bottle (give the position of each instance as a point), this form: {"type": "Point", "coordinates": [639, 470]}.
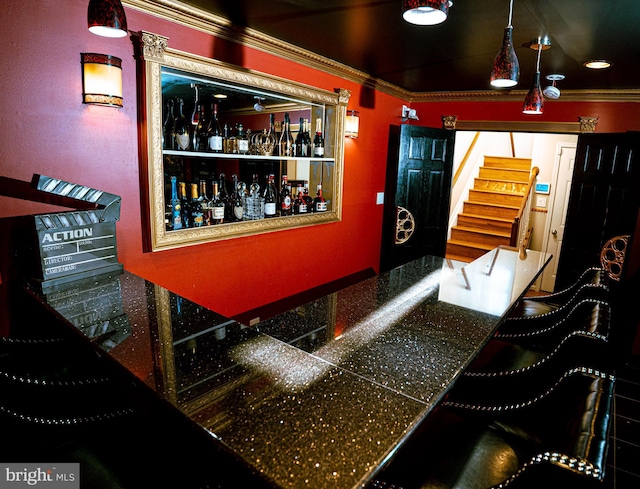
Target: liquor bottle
{"type": "Point", "coordinates": [307, 198]}
{"type": "Point", "coordinates": [181, 129]}
{"type": "Point", "coordinates": [285, 197]}
{"type": "Point", "coordinates": [168, 141]}
{"type": "Point", "coordinates": [205, 204]}
{"type": "Point", "coordinates": [227, 139]}
{"type": "Point", "coordinates": [242, 140]}
{"type": "Point", "coordinates": [319, 203]}
{"type": "Point", "coordinates": [200, 136]}
{"type": "Point", "coordinates": [214, 132]}
{"type": "Point", "coordinates": [318, 140]}
{"type": "Point", "coordinates": [270, 197]}
{"type": "Point", "coordinates": [196, 207]}
{"type": "Point", "coordinates": [307, 137]}
{"type": "Point", "coordinates": [254, 190]}
{"type": "Point", "coordinates": [286, 143]}
{"type": "Point", "coordinates": [299, 205]}
{"type": "Point", "coordinates": [185, 206]}
{"type": "Point", "coordinates": [238, 198]}
{"type": "Point", "coordinates": [176, 218]}
{"type": "Point", "coordinates": [218, 206]}
{"type": "Point", "coordinates": [302, 149]}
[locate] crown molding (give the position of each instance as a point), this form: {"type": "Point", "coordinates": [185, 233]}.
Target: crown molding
{"type": "Point", "coordinates": [195, 18]}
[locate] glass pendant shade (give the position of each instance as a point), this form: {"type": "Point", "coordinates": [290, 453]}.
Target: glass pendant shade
{"type": "Point", "coordinates": [425, 12]}
{"type": "Point", "coordinates": [106, 18]}
{"type": "Point", "coordinates": [352, 124]}
{"type": "Point", "coordinates": [506, 68]}
{"type": "Point", "coordinates": [534, 101]}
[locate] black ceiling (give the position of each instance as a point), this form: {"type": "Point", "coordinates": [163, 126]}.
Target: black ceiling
{"type": "Point", "coordinates": [457, 55]}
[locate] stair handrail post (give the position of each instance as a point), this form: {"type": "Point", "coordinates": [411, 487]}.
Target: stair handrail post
{"type": "Point", "coordinates": [519, 228]}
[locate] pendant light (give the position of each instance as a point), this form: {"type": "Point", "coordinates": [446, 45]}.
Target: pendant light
{"type": "Point", "coordinates": [425, 12]}
{"type": "Point", "coordinates": [106, 18]}
{"type": "Point", "coordinates": [534, 101]}
{"type": "Point", "coordinates": [506, 68]}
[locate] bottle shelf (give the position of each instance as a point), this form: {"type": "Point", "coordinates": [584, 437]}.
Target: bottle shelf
{"type": "Point", "coordinates": [197, 154]}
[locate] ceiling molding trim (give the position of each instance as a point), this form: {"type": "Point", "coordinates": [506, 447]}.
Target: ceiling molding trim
{"type": "Point", "coordinates": [217, 26]}
{"type": "Point", "coordinates": [520, 126]}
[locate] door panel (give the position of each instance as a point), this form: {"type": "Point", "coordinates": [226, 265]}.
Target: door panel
{"type": "Point", "coordinates": [603, 203]}
{"type": "Point", "coordinates": [419, 171]}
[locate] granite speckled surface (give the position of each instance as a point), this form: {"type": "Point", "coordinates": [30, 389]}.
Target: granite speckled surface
{"type": "Point", "coordinates": [321, 395]}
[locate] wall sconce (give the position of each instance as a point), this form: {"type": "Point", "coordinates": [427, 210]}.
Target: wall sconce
{"type": "Point", "coordinates": [106, 18]}
{"type": "Point", "coordinates": [352, 124]}
{"type": "Point", "coordinates": [425, 12]}
{"type": "Point", "coordinates": [101, 79]}
{"type": "Point", "coordinates": [409, 114]}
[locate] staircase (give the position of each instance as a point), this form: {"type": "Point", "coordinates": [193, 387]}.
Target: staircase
{"type": "Point", "coordinates": [487, 217]}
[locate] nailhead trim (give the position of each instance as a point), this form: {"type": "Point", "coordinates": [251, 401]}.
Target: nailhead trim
{"type": "Point", "coordinates": [75, 421]}
{"type": "Point", "coordinates": [504, 373]}
{"type": "Point", "coordinates": [53, 383]}
{"type": "Point", "coordinates": [520, 405]}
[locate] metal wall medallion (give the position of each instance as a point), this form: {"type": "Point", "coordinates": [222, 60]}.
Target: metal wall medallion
{"type": "Point", "coordinates": [405, 225]}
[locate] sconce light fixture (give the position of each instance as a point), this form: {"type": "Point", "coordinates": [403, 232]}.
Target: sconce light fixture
{"type": "Point", "coordinates": [425, 12]}
{"type": "Point", "coordinates": [551, 91]}
{"type": "Point", "coordinates": [534, 101]}
{"type": "Point", "coordinates": [408, 113]}
{"type": "Point", "coordinates": [506, 68]}
{"type": "Point", "coordinates": [352, 124]}
{"type": "Point", "coordinates": [101, 79]}
{"type": "Point", "coordinates": [259, 105]}
{"type": "Point", "coordinates": [106, 18]}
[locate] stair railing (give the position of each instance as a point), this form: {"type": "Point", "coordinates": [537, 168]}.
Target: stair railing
{"type": "Point", "coordinates": [520, 232]}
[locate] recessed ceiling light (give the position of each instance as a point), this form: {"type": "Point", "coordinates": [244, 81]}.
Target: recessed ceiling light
{"type": "Point", "coordinates": [598, 64]}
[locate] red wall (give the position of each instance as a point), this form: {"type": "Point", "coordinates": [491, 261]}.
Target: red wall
{"type": "Point", "coordinates": [47, 130]}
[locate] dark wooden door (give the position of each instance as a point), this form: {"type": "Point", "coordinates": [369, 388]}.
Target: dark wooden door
{"type": "Point", "coordinates": [417, 194]}
{"type": "Point", "coordinates": [603, 200]}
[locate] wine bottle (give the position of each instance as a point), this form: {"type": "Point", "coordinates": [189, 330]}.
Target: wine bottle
{"type": "Point", "coordinates": [196, 207]}
{"type": "Point", "coordinates": [217, 206]}
{"type": "Point", "coordinates": [318, 140]}
{"type": "Point", "coordinates": [200, 136]}
{"type": "Point", "coordinates": [270, 197]}
{"type": "Point", "coordinates": [185, 206]}
{"type": "Point", "coordinates": [224, 197]}
{"type": "Point", "coordinates": [302, 149]}
{"type": "Point", "coordinates": [205, 203]}
{"type": "Point", "coordinates": [214, 132]}
{"type": "Point", "coordinates": [181, 129]}
{"type": "Point", "coordinates": [285, 197]}
{"type": "Point", "coordinates": [168, 141]}
{"type": "Point", "coordinates": [176, 218]}
{"type": "Point", "coordinates": [238, 198]}
{"type": "Point", "coordinates": [272, 141]}
{"type": "Point", "coordinates": [286, 143]}
{"type": "Point", "coordinates": [319, 203]}
{"type": "Point", "coordinates": [242, 141]}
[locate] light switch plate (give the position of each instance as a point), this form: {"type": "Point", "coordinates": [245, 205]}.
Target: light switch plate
{"type": "Point", "coordinates": [541, 202]}
{"type": "Point", "coordinates": [380, 198]}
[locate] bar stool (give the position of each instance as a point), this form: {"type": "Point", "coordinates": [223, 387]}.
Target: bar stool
{"type": "Point", "coordinates": [592, 283]}
{"type": "Point", "coordinates": [558, 440]}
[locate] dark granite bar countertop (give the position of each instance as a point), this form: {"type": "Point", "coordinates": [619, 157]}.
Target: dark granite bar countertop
{"type": "Point", "coordinates": [321, 395]}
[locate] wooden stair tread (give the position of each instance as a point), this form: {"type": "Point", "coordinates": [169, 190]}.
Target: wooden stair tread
{"type": "Point", "coordinates": [499, 192]}
{"type": "Point", "coordinates": [486, 218]}
{"type": "Point", "coordinates": [491, 204]}
{"type": "Point", "coordinates": [482, 231]}
{"type": "Point", "coordinates": [454, 257]}
{"type": "Point", "coordinates": [470, 244]}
